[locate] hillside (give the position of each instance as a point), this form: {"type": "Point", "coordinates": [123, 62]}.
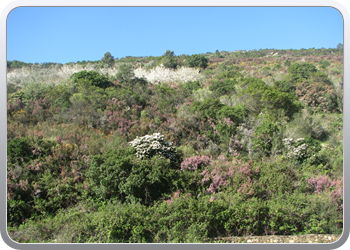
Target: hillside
{"type": "Point", "coordinates": [186, 148]}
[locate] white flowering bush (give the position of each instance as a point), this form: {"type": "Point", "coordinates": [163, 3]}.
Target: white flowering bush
{"type": "Point", "coordinates": [150, 145]}
{"type": "Point", "coordinates": [295, 149]}
{"type": "Point", "coordinates": [304, 150]}
{"type": "Point", "coordinates": [161, 74]}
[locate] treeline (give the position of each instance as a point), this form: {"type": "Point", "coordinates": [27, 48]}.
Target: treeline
{"type": "Point", "coordinates": [109, 60]}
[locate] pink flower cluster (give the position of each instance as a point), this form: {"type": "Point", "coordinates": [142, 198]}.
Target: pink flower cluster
{"type": "Point", "coordinates": [321, 183]}
{"type": "Point", "coordinates": [219, 178]}
{"type": "Point", "coordinates": [195, 162]}
{"type": "Point", "coordinates": [337, 193]}
{"type": "Point", "coordinates": [324, 183]}
{"type": "Point", "coordinates": [224, 170]}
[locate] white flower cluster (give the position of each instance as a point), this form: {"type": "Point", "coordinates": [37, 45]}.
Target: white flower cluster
{"type": "Point", "coordinates": [296, 149]}
{"type": "Point", "coordinates": [161, 74]}
{"type": "Point", "coordinates": [150, 145]}
{"type": "Point", "coordinates": [67, 70]}
{"type": "Point", "coordinates": [18, 73]}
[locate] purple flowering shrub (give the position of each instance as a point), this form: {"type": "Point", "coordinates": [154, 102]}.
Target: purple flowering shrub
{"type": "Point", "coordinates": [195, 162]}
{"type": "Point", "coordinates": [337, 194]}
{"type": "Point", "coordinates": [235, 174]}
{"type": "Point", "coordinates": [320, 183]}
{"type": "Point", "coordinates": [323, 183]}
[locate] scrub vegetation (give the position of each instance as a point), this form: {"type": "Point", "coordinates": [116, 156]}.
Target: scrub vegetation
{"type": "Point", "coordinates": [176, 148]}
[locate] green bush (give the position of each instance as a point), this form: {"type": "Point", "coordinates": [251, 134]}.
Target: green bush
{"type": "Point", "coordinates": [226, 87]}
{"type": "Point", "coordinates": [208, 108]}
{"type": "Point", "coordinates": [91, 78]}
{"type": "Point", "coordinates": [120, 175]}
{"type": "Point", "coordinates": [260, 97]}
{"type": "Point", "coordinates": [301, 72]}
{"type": "Point", "coordinates": [196, 61]}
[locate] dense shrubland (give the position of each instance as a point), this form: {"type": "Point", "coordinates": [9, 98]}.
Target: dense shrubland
{"type": "Point", "coordinates": [176, 148]}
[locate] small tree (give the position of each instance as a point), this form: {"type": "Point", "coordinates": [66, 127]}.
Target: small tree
{"type": "Point", "coordinates": [169, 60]}
{"type": "Point", "coordinates": [340, 46]}
{"type": "Point", "coordinates": [301, 72]}
{"type": "Point", "coordinates": [91, 78]}
{"type": "Point", "coordinates": [125, 73]}
{"type": "Point", "coordinates": [196, 61]}
{"type": "Point", "coordinates": [108, 59]}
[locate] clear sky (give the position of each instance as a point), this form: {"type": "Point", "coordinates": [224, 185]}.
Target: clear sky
{"type": "Point", "coordinates": [71, 34]}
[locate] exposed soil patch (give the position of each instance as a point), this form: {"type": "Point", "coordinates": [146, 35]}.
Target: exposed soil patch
{"type": "Point", "coordinates": [307, 238]}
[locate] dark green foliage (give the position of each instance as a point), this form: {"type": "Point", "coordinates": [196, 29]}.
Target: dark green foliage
{"type": "Point", "coordinates": [265, 135]}
{"type": "Point", "coordinates": [199, 61]}
{"type": "Point", "coordinates": [260, 97]}
{"type": "Point", "coordinates": [167, 99]}
{"type": "Point", "coordinates": [108, 59]}
{"type": "Point", "coordinates": [125, 73]}
{"type": "Point", "coordinates": [191, 86]}
{"type": "Point", "coordinates": [208, 108]}
{"type": "Point", "coordinates": [228, 71]}
{"type": "Point", "coordinates": [302, 71]}
{"type": "Point", "coordinates": [287, 85]}
{"type": "Point", "coordinates": [218, 54]}
{"type": "Point", "coordinates": [236, 113]}
{"type": "Point", "coordinates": [324, 64]}
{"type": "Point", "coordinates": [287, 62]}
{"type": "Point", "coordinates": [169, 60]}
{"type": "Point", "coordinates": [60, 96]}
{"type": "Point", "coordinates": [92, 78]}
{"type": "Point", "coordinates": [119, 174]}
{"type": "Point", "coordinates": [19, 150]}
{"type": "Point", "coordinates": [17, 64]}
{"type": "Point", "coordinates": [225, 87]}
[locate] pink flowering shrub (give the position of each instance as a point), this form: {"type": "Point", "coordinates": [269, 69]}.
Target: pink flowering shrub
{"type": "Point", "coordinates": [195, 162]}
{"type": "Point", "coordinates": [222, 170]}
{"type": "Point", "coordinates": [324, 184]}
{"type": "Point", "coordinates": [319, 184]}
{"type": "Point", "coordinates": [337, 193]}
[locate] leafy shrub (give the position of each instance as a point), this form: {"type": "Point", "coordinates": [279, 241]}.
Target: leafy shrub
{"type": "Point", "coordinates": [196, 61]}
{"type": "Point", "coordinates": [305, 124]}
{"type": "Point", "coordinates": [324, 64]}
{"type": "Point", "coordinates": [208, 108]}
{"type": "Point", "coordinates": [191, 86]}
{"type": "Point", "coordinates": [19, 150]}
{"type": "Point", "coordinates": [265, 136]}
{"type": "Point", "coordinates": [226, 87]}
{"type": "Point", "coordinates": [258, 96]}
{"type": "Point", "coordinates": [120, 175]}
{"type": "Point", "coordinates": [91, 77]}
{"type": "Point", "coordinates": [317, 93]}
{"type": "Point", "coordinates": [301, 72]}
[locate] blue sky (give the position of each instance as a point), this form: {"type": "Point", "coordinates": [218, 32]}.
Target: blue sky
{"type": "Point", "coordinates": [70, 34]}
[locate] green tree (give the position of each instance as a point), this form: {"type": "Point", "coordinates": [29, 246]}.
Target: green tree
{"type": "Point", "coordinates": [91, 78]}
{"type": "Point", "coordinates": [168, 59]}
{"type": "Point", "coordinates": [108, 59]}
{"type": "Point", "coordinates": [287, 63]}
{"type": "Point", "coordinates": [218, 54]}
{"type": "Point", "coordinates": [324, 64]}
{"type": "Point", "coordinates": [301, 72]}
{"type": "Point", "coordinates": [197, 61]}
{"type": "Point", "coordinates": [340, 46]}
{"type": "Point", "coordinates": [125, 73]}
